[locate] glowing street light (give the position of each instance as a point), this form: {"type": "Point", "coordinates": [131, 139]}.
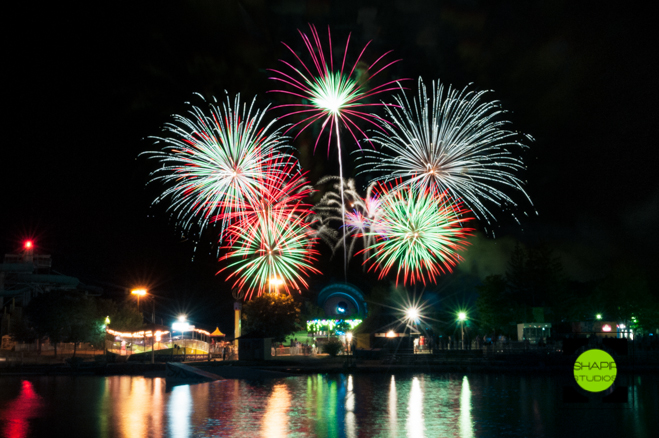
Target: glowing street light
{"type": "Point", "coordinates": [462, 317]}
{"type": "Point", "coordinates": [276, 282]}
{"type": "Point", "coordinates": [412, 314]}
{"type": "Point", "coordinates": [598, 316]}
{"type": "Point", "coordinates": [140, 293]}
{"type": "Point", "coordinates": [181, 325]}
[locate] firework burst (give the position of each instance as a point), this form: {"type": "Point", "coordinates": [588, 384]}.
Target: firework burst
{"type": "Point", "coordinates": [284, 196]}
{"type": "Point", "coordinates": [334, 97]}
{"type": "Point", "coordinates": [420, 231]}
{"type": "Point", "coordinates": [361, 213]}
{"type": "Point", "coordinates": [273, 245]}
{"type": "Point", "coordinates": [452, 142]}
{"type": "Point", "coordinates": [217, 162]}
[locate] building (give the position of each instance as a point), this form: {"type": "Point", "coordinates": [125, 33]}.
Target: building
{"type": "Point", "coordinates": [26, 275]}
{"type": "Point", "coordinates": [344, 307]}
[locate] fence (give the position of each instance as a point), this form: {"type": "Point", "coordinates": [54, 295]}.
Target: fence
{"type": "Point", "coordinates": [46, 348]}
{"type": "Point", "coordinates": [138, 347]}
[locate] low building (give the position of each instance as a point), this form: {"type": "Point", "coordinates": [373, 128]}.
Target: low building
{"type": "Point", "coordinates": [533, 332]}
{"type": "Point", "coordinates": [344, 307]}
{"type": "Point", "coordinates": [254, 346]}
{"type": "Point", "coordinates": [26, 275]}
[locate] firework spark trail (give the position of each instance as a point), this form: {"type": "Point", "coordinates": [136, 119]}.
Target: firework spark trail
{"type": "Point", "coordinates": [209, 158]}
{"type": "Point", "coordinates": [284, 195]}
{"type": "Point", "coordinates": [364, 211]}
{"type": "Point", "coordinates": [334, 96]}
{"type": "Point", "coordinates": [273, 245]}
{"type": "Point", "coordinates": [420, 230]}
{"type": "Point", "coordinates": [451, 143]}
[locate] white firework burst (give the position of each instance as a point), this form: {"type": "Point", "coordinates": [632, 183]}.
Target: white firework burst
{"type": "Point", "coordinates": [454, 142]}
{"type": "Point", "coordinates": [216, 162]}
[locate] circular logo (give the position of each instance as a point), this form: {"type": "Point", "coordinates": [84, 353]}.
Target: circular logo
{"type": "Point", "coordinates": [595, 370]}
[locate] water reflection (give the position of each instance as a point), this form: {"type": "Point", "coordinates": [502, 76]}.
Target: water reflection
{"type": "Point", "coordinates": [133, 405]}
{"type": "Point", "coordinates": [179, 409]}
{"type": "Point", "coordinates": [350, 418]}
{"type": "Point", "coordinates": [415, 425]}
{"type": "Point", "coordinates": [275, 420]}
{"type": "Point", "coordinates": [16, 414]}
{"type": "Point", "coordinates": [318, 405]}
{"type": "Point", "coordinates": [393, 407]}
{"type": "Point", "coordinates": [466, 430]}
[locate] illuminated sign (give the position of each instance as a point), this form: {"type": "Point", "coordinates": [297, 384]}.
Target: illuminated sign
{"type": "Point", "coordinates": [182, 327]}
{"type": "Point", "coordinates": [322, 325]}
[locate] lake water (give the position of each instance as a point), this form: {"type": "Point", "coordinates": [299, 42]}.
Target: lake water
{"type": "Point", "coordinates": [412, 405]}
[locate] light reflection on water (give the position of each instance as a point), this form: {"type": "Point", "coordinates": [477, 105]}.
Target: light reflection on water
{"type": "Point", "coordinates": [418, 405]}
{"type": "Point", "coordinates": [274, 423]}
{"type": "Point", "coordinates": [415, 410]}
{"type": "Point", "coordinates": [14, 418]}
{"type": "Point", "coordinates": [466, 430]}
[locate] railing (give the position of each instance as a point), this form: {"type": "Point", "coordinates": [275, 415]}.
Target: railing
{"type": "Point", "coordinates": [134, 348]}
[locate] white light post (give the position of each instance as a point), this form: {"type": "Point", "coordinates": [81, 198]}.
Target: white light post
{"type": "Point", "coordinates": [462, 317]}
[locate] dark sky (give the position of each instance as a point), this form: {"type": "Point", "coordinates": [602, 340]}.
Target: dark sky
{"type": "Point", "coordinates": [85, 86]}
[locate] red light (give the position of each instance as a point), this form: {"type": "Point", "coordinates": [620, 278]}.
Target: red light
{"type": "Point", "coordinates": [28, 244]}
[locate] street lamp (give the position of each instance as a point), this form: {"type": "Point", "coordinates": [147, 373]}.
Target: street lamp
{"type": "Point", "coordinates": [462, 317]}
{"type": "Point", "coordinates": [105, 341]}
{"type": "Point", "coordinates": [143, 293]}
{"type": "Point", "coordinates": [598, 316]}
{"type": "Point", "coordinates": [276, 282]}
{"type": "Point", "coordinates": [412, 314]}
{"type": "Point", "coordinates": [139, 293]}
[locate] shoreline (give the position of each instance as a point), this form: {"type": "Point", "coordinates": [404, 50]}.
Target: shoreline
{"type": "Point", "coordinates": [323, 365]}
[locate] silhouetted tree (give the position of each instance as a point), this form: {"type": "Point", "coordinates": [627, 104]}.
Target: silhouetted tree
{"type": "Point", "coordinates": [536, 279]}
{"type": "Point", "coordinates": [624, 295]}
{"type": "Point", "coordinates": [494, 305]}
{"type": "Point", "coordinates": [274, 315]}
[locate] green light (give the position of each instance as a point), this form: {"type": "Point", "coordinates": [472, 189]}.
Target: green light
{"type": "Point", "coordinates": [462, 316]}
{"type": "Point", "coordinates": [598, 316]}
{"type": "Point", "coordinates": [321, 325]}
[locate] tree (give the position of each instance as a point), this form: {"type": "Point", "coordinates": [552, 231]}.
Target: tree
{"type": "Point", "coordinates": [535, 279]}
{"type": "Point", "coordinates": [624, 295]}
{"type": "Point", "coordinates": [333, 347]}
{"type": "Point", "coordinates": [310, 311]}
{"type": "Point", "coordinates": [493, 304]}
{"type": "Point", "coordinates": [47, 317]}
{"type": "Point", "coordinates": [123, 317]}
{"type": "Point", "coordinates": [274, 315]}
{"type": "Point", "coordinates": [65, 317]}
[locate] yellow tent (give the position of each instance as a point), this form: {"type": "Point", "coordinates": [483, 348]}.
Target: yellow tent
{"type": "Point", "coordinates": [217, 332]}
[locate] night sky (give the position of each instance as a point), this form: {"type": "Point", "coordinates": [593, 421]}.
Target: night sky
{"type": "Point", "coordinates": [86, 86]}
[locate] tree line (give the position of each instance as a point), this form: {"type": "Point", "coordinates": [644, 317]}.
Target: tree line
{"type": "Point", "coordinates": [72, 317]}
{"type": "Point", "coordinates": [536, 287]}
